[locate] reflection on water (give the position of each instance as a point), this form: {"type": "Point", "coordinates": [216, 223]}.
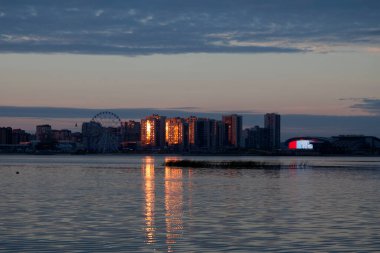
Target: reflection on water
{"type": "Point", "coordinates": [149, 191]}
{"type": "Point", "coordinates": [173, 205]}
{"type": "Point", "coordinates": [136, 204]}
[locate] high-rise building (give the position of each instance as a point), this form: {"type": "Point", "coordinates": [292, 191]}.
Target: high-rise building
{"type": "Point", "coordinates": [5, 135]}
{"type": "Point", "coordinates": [272, 121]}
{"type": "Point", "coordinates": [199, 133]}
{"type": "Point", "coordinates": [131, 135]}
{"type": "Point", "coordinates": [90, 133]}
{"type": "Point", "coordinates": [153, 131]}
{"type": "Point", "coordinates": [43, 133]}
{"type": "Point", "coordinates": [233, 130]}
{"type": "Point", "coordinates": [192, 131]}
{"type": "Point", "coordinates": [257, 138]}
{"type": "Point", "coordinates": [176, 133]}
{"type": "Point", "coordinates": [217, 133]}
{"type": "Point", "coordinates": [203, 134]}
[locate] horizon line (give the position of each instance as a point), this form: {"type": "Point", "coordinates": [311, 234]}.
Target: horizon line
{"type": "Point", "coordinates": [184, 109]}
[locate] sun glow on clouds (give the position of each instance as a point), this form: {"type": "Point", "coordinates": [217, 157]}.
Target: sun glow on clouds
{"type": "Point", "coordinates": [373, 50]}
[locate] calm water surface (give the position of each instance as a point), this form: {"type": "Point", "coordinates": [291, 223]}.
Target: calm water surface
{"type": "Point", "coordinates": [134, 203]}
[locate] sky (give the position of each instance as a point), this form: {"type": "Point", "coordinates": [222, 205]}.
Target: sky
{"type": "Point", "coordinates": [305, 59]}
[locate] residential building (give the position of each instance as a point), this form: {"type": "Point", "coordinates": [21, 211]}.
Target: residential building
{"type": "Point", "coordinates": [20, 136]}
{"type": "Point", "coordinates": [131, 131]}
{"type": "Point", "coordinates": [5, 135]}
{"type": "Point", "coordinates": [192, 131]}
{"type": "Point", "coordinates": [44, 133]}
{"type": "Point", "coordinates": [257, 138]}
{"type": "Point", "coordinates": [217, 132]}
{"type": "Point", "coordinates": [272, 121]}
{"type": "Point", "coordinates": [61, 135]}
{"type": "Point", "coordinates": [90, 135]}
{"type": "Point", "coordinates": [233, 130]}
{"type": "Point", "coordinates": [153, 131]}
{"type": "Point", "coordinates": [203, 134]}
{"type": "Point", "coordinates": [176, 133]}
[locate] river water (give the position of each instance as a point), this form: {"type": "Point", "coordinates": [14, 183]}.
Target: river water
{"type": "Point", "coordinates": [134, 203]}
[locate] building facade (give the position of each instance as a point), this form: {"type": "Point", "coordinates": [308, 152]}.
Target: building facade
{"type": "Point", "coordinates": [257, 138]}
{"type": "Point", "coordinates": [233, 130]}
{"type": "Point", "coordinates": [272, 122]}
{"type": "Point", "coordinates": [6, 135]}
{"type": "Point", "coordinates": [44, 133]}
{"type": "Point", "coordinates": [20, 136]}
{"type": "Point", "coordinates": [61, 135]}
{"type": "Point", "coordinates": [176, 133]}
{"type": "Point", "coordinates": [153, 131]}
{"type": "Point", "coordinates": [217, 133]}
{"type": "Point", "coordinates": [131, 131]}
{"type": "Point", "coordinates": [192, 131]}
{"type": "Point", "coordinates": [203, 134]}
{"type": "Point", "coordinates": [90, 133]}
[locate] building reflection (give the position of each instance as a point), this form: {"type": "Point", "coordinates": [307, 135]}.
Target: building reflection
{"type": "Point", "coordinates": [173, 205]}
{"type": "Point", "coordinates": [190, 191]}
{"type": "Point", "coordinates": [158, 233]}
{"type": "Point", "coordinates": [150, 197]}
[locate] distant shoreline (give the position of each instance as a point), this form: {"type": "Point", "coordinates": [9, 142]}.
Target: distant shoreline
{"type": "Point", "coordinates": [186, 155]}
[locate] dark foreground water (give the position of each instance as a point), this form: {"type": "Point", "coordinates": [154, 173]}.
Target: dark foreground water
{"type": "Point", "coordinates": [133, 203]}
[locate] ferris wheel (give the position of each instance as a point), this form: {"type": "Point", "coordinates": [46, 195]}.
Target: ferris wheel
{"type": "Point", "coordinates": [106, 132]}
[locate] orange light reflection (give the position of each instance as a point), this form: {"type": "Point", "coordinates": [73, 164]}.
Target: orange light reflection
{"type": "Point", "coordinates": [173, 205]}
{"type": "Point", "coordinates": [149, 191]}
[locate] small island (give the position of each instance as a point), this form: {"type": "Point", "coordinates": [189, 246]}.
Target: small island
{"type": "Point", "coordinates": [223, 164]}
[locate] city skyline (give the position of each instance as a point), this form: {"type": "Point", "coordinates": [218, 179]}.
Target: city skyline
{"type": "Point", "coordinates": [292, 124]}
{"type": "Point", "coordinates": [107, 133]}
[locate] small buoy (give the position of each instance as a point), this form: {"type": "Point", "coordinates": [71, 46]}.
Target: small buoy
{"type": "Point", "coordinates": [17, 172]}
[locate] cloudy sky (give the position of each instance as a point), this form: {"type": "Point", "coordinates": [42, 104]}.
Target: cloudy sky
{"type": "Point", "coordinates": [296, 57]}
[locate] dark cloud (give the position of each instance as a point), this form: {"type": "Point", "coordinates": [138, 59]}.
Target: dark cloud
{"type": "Point", "coordinates": [124, 113]}
{"type": "Point", "coordinates": [371, 105]}
{"type": "Point", "coordinates": [141, 27]}
{"type": "Point", "coordinates": [292, 125]}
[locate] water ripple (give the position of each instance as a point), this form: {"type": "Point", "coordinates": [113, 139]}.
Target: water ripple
{"type": "Point", "coordinates": [119, 204]}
